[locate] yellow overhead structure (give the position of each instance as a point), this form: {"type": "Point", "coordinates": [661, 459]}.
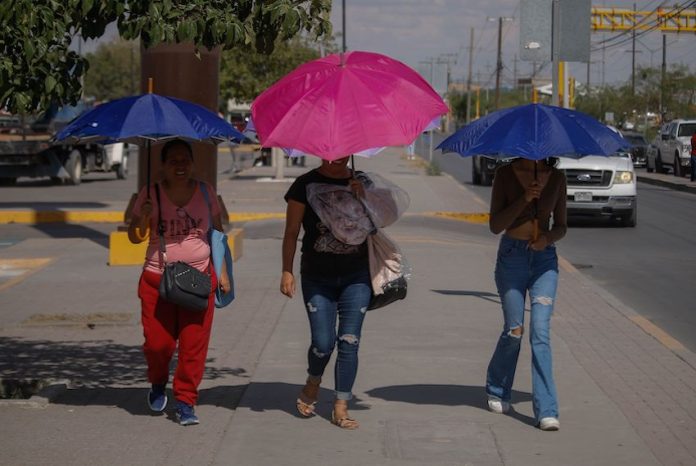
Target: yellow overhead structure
{"type": "Point", "coordinates": [664, 20]}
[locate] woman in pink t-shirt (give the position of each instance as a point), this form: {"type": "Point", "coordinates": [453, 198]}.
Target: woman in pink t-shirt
{"type": "Point", "coordinates": [185, 218]}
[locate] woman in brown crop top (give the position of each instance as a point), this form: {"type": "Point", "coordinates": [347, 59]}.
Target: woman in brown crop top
{"type": "Point", "coordinates": [528, 204]}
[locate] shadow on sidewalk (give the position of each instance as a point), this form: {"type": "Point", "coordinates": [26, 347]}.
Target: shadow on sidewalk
{"type": "Point", "coordinates": [485, 295]}
{"type": "Point", "coordinates": [94, 366]}
{"type": "Point", "coordinates": [73, 230]}
{"type": "Point", "coordinates": [281, 396]}
{"type": "Point", "coordinates": [133, 399]}
{"type": "Point", "coordinates": [447, 395]}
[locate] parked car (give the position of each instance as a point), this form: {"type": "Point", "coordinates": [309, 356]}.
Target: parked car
{"type": "Point", "coordinates": [673, 147]}
{"type": "Point", "coordinates": [482, 170]}
{"type": "Point", "coordinates": [639, 148]}
{"type": "Point", "coordinates": [31, 151]}
{"type": "Point", "coordinates": [602, 187]}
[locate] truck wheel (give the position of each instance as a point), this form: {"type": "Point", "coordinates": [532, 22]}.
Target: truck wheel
{"type": "Point", "coordinates": [73, 165]}
{"type": "Point", "coordinates": [631, 220]}
{"type": "Point", "coordinates": [486, 177]}
{"type": "Point", "coordinates": [677, 167]}
{"type": "Point", "coordinates": [122, 170]}
{"type": "Point", "coordinates": [659, 168]}
{"type": "Point", "coordinates": [475, 174]}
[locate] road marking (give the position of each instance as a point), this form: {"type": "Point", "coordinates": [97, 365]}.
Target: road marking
{"type": "Point", "coordinates": [20, 269]}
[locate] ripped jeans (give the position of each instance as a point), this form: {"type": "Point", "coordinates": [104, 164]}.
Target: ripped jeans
{"type": "Point", "coordinates": [519, 270]}
{"type": "Point", "coordinates": [327, 299]}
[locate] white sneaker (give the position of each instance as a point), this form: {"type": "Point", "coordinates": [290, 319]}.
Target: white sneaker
{"type": "Point", "coordinates": [549, 423]}
{"type": "Point", "coordinates": [498, 406]}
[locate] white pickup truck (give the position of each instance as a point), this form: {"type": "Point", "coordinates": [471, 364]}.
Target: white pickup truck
{"type": "Point", "coordinates": [672, 147]}
{"type": "Point", "coordinates": [602, 187]}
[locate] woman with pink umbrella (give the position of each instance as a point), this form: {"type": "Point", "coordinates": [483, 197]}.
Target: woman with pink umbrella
{"type": "Point", "coordinates": [332, 108]}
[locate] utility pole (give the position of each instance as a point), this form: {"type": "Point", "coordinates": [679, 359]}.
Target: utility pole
{"type": "Point", "coordinates": [662, 77]}
{"type": "Point", "coordinates": [343, 20]}
{"type": "Point", "coordinates": [468, 79]}
{"type": "Point", "coordinates": [633, 58]}
{"type": "Point", "coordinates": [429, 62]}
{"type": "Point", "coordinates": [499, 61]}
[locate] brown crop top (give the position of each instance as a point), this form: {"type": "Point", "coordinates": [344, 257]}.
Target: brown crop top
{"type": "Point", "coordinates": [509, 209]}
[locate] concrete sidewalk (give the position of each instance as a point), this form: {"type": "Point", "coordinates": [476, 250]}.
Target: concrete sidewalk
{"type": "Point", "coordinates": [627, 391]}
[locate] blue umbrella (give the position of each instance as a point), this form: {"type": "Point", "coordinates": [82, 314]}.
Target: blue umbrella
{"type": "Point", "coordinates": [148, 118]}
{"type": "Point", "coordinates": [535, 132]}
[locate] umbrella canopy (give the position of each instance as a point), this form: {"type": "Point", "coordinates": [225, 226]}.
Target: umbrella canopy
{"type": "Point", "coordinates": [149, 117]}
{"type": "Point", "coordinates": [535, 132]}
{"type": "Point", "coordinates": [250, 131]}
{"type": "Point", "coordinates": [344, 104]}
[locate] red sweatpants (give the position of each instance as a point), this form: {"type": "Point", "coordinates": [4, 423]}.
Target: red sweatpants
{"type": "Point", "coordinates": [165, 323]}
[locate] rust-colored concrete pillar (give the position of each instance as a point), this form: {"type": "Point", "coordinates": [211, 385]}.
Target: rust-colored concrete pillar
{"type": "Point", "coordinates": [177, 72]}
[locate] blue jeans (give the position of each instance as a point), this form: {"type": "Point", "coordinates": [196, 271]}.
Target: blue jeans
{"type": "Point", "coordinates": [519, 270]}
{"type": "Point", "coordinates": [345, 297]}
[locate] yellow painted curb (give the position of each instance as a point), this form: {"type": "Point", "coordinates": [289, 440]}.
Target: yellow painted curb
{"type": "Point", "coordinates": [86, 216]}
{"type": "Point", "coordinates": [123, 252]}
{"type": "Point", "coordinates": [59, 216]}
{"type": "Point", "coordinates": [477, 218]}
{"type": "Point", "coordinates": [251, 216]}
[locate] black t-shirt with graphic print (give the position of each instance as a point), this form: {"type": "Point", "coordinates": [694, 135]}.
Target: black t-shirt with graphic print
{"type": "Point", "coordinates": [322, 254]}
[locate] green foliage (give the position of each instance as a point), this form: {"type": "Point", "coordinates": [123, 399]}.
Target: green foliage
{"type": "Point", "coordinates": [114, 71]}
{"type": "Point", "coordinates": [37, 68]}
{"type": "Point", "coordinates": [433, 169]}
{"type": "Point", "coordinates": [245, 73]}
{"type": "Point", "coordinates": [679, 96]}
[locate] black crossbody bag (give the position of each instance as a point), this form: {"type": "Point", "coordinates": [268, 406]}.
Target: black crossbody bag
{"type": "Point", "coordinates": [181, 284]}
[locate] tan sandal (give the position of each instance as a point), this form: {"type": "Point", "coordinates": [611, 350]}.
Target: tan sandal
{"type": "Point", "coordinates": [306, 403]}
{"type": "Point", "coordinates": [344, 422]}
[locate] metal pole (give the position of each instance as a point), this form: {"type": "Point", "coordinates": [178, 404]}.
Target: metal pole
{"type": "Point", "coordinates": [430, 142]}
{"type": "Point", "coordinates": [633, 58]}
{"type": "Point", "coordinates": [499, 63]}
{"type": "Point", "coordinates": [468, 79]}
{"type": "Point", "coordinates": [343, 19]}
{"type": "Point", "coordinates": [555, 46]}
{"type": "Point", "coordinates": [662, 77]}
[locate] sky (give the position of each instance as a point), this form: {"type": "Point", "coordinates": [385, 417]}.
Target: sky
{"type": "Point", "coordinates": [413, 31]}
{"type": "Point", "coordinates": [418, 31]}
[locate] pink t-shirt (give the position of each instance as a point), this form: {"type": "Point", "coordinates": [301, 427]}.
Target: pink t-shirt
{"type": "Point", "coordinates": [185, 229]}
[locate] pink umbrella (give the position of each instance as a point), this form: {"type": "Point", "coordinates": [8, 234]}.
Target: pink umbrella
{"type": "Point", "coordinates": [344, 104]}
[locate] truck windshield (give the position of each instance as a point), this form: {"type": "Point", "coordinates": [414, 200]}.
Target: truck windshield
{"type": "Point", "coordinates": [687, 129]}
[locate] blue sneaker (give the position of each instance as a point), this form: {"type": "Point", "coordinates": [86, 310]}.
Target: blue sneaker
{"type": "Point", "coordinates": [157, 398]}
{"type": "Point", "coordinates": [185, 414]}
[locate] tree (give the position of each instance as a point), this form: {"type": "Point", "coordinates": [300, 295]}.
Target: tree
{"type": "Point", "coordinates": [245, 73]}
{"type": "Point", "coordinates": [38, 69]}
{"type": "Point", "coordinates": [114, 70]}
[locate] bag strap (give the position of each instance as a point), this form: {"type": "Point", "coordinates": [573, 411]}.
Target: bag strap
{"type": "Point", "coordinates": [204, 190]}
{"type": "Point", "coordinates": [160, 225]}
